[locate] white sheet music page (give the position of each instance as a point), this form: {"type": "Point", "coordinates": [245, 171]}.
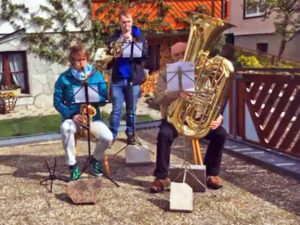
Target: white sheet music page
{"type": "Point", "coordinates": [137, 49]}
{"type": "Point", "coordinates": [180, 76]}
{"type": "Point", "coordinates": [79, 94]}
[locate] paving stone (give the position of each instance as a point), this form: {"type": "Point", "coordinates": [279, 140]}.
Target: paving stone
{"type": "Point", "coordinates": [84, 190]}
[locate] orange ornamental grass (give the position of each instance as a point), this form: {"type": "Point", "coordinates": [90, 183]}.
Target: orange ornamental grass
{"type": "Point", "coordinates": [148, 87]}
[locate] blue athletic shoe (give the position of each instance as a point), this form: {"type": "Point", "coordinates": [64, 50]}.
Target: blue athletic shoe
{"type": "Point", "coordinates": [75, 173]}
{"type": "Point", "coordinates": [96, 167]}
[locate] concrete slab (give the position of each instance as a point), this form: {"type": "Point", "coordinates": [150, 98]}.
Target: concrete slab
{"type": "Point", "coordinates": [137, 155]}
{"type": "Point", "coordinates": [195, 175]}
{"type": "Point", "coordinates": [181, 197]}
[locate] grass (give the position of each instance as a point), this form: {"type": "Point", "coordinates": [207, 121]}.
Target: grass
{"type": "Point", "coordinates": [43, 124]}
{"type": "Point", "coordinates": [29, 125]}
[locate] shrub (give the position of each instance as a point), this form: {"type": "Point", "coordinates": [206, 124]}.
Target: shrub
{"type": "Point", "coordinates": [248, 61]}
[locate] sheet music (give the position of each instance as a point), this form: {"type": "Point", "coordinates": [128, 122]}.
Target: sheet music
{"type": "Point", "coordinates": [180, 76]}
{"type": "Point", "coordinates": [79, 94]}
{"type": "Point", "coordinates": [137, 49]}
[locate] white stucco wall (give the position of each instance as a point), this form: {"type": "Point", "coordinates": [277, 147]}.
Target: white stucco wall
{"type": "Point", "coordinates": [250, 31]}
{"type": "Point", "coordinates": [246, 26]}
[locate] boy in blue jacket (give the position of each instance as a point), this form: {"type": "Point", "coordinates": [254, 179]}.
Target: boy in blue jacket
{"type": "Point", "coordinates": [124, 72]}
{"type": "Point", "coordinates": [71, 118]}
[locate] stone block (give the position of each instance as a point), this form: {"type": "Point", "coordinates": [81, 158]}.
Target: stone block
{"type": "Point", "coordinates": [181, 197]}
{"type": "Point", "coordinates": [43, 101]}
{"type": "Point", "coordinates": [26, 100]}
{"type": "Point", "coordinates": [84, 191]}
{"type": "Point", "coordinates": [37, 88]}
{"type": "Point", "coordinates": [137, 155]}
{"type": "Point", "coordinates": [195, 175]}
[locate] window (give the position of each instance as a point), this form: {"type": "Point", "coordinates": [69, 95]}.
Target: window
{"type": "Point", "coordinates": [13, 70]}
{"type": "Point", "coordinates": [153, 59]}
{"type": "Point", "coordinates": [252, 10]}
{"type": "Point", "coordinates": [262, 47]}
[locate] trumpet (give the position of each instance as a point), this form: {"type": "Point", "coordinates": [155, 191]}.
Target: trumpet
{"type": "Point", "coordinates": [104, 56]}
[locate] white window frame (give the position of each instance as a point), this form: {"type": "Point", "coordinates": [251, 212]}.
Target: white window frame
{"type": "Point", "coordinates": [254, 14]}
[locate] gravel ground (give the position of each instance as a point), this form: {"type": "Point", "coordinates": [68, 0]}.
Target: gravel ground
{"type": "Point", "coordinates": [251, 194]}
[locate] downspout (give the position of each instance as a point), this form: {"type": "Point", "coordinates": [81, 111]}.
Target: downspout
{"type": "Point", "coordinates": [223, 5]}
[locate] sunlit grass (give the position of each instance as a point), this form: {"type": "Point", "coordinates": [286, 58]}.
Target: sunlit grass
{"type": "Point", "coordinates": [43, 124]}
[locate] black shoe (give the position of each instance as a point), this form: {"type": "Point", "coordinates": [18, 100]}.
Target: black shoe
{"type": "Point", "coordinates": [131, 140]}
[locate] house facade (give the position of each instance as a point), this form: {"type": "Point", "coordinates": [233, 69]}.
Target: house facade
{"type": "Point", "coordinates": [36, 77]}
{"type": "Point", "coordinates": [258, 34]}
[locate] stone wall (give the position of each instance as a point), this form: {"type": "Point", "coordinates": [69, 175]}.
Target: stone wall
{"type": "Point", "coordinates": [42, 76]}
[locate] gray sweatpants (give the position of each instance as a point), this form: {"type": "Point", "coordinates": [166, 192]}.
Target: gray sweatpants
{"type": "Point", "coordinates": [98, 129]}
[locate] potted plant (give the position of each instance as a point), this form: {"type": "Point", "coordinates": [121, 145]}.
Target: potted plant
{"type": "Point", "coordinates": [10, 89]}
{"type": "Point", "coordinates": [8, 97]}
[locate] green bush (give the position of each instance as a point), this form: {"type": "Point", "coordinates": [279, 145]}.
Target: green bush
{"type": "Point", "coordinates": [248, 61]}
{"type": "Point", "coordinates": [264, 59]}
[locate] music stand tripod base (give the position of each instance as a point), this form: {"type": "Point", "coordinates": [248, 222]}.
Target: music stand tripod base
{"type": "Point", "coordinates": [52, 176]}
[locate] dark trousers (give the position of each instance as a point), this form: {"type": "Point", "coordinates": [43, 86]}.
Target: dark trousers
{"type": "Point", "coordinates": [167, 134]}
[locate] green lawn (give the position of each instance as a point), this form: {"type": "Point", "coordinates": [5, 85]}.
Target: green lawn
{"type": "Point", "coordinates": [29, 125]}
{"type": "Point", "coordinates": [42, 124]}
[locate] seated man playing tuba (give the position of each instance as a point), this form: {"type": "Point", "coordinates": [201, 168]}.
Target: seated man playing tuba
{"type": "Point", "coordinates": [168, 133]}
{"type": "Point", "coordinates": [73, 115]}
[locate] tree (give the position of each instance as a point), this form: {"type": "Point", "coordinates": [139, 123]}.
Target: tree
{"type": "Point", "coordinates": [287, 21]}
{"type": "Point", "coordinates": [49, 33]}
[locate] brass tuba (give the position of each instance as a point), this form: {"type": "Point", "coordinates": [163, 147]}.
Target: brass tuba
{"type": "Point", "coordinates": [192, 116]}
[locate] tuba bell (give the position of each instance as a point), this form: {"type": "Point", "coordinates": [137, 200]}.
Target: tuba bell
{"type": "Point", "coordinates": [192, 117]}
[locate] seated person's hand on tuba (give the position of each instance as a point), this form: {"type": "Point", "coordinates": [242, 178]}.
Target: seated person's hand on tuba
{"type": "Point", "coordinates": [185, 95]}
{"type": "Point", "coordinates": [216, 123]}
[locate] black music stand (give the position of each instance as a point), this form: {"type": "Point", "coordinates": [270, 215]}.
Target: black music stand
{"type": "Point", "coordinates": [51, 176]}
{"type": "Point", "coordinates": [131, 50]}
{"type": "Point", "coordinates": [87, 93]}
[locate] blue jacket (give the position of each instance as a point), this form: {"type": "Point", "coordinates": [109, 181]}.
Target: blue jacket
{"type": "Point", "coordinates": [64, 94]}
{"type": "Point", "coordinates": [121, 67]}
